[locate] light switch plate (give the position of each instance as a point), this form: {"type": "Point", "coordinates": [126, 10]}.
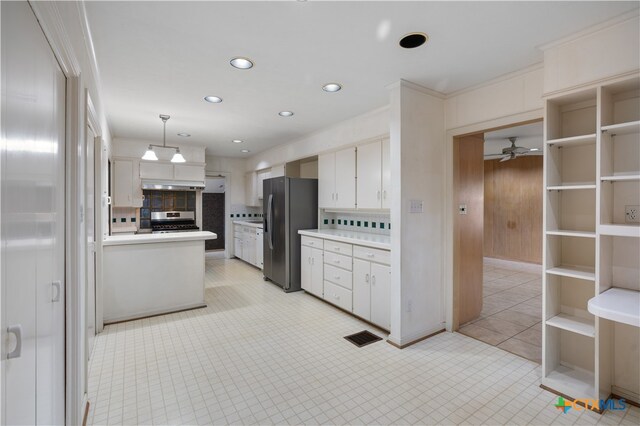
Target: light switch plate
{"type": "Point", "coordinates": [416, 206]}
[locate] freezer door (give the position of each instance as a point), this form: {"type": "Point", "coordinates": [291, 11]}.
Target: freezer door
{"type": "Point", "coordinates": [302, 208]}
{"type": "Point", "coordinates": [266, 216]}
{"type": "Point", "coordinates": [275, 239]}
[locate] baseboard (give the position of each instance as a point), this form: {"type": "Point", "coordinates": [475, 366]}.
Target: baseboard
{"type": "Point", "coordinates": [523, 266]}
{"type": "Point", "coordinates": [156, 313]}
{"type": "Point", "coordinates": [412, 340]}
{"type": "Point", "coordinates": [86, 413]}
{"type": "Point", "coordinates": [629, 396]}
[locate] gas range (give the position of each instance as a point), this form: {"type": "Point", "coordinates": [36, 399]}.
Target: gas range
{"type": "Point", "coordinates": [165, 222]}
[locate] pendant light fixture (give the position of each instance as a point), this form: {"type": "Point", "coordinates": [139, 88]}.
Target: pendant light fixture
{"type": "Point", "coordinates": [151, 155]}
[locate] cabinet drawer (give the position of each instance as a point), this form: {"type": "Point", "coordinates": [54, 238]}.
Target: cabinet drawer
{"type": "Point", "coordinates": [339, 260]}
{"type": "Point", "coordinates": [338, 276]}
{"type": "Point", "coordinates": [340, 248]}
{"type": "Point", "coordinates": [373, 255]}
{"type": "Point", "coordinates": [312, 242]}
{"type": "Point", "coordinates": [338, 296]}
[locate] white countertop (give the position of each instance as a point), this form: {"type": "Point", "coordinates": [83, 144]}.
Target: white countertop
{"type": "Point", "coordinates": [351, 237]}
{"type": "Point", "coordinates": [245, 223]}
{"type": "Point", "coordinates": [617, 304]}
{"type": "Point", "coordinates": [117, 240]}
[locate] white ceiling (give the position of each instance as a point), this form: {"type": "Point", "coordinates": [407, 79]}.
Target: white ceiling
{"type": "Point", "coordinates": [163, 57]}
{"type": "Point", "coordinates": [529, 136]}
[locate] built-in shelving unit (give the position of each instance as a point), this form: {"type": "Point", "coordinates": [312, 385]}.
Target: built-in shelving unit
{"type": "Point", "coordinates": [592, 171]}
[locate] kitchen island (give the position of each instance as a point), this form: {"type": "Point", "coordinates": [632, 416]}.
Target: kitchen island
{"type": "Point", "coordinates": [151, 274]}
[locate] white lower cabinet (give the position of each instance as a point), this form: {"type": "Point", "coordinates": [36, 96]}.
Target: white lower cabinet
{"type": "Point", "coordinates": [247, 244]}
{"type": "Point", "coordinates": [311, 270]}
{"type": "Point", "coordinates": [353, 277]}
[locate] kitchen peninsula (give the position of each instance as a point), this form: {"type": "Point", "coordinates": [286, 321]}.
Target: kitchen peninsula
{"type": "Point", "coordinates": [151, 274]}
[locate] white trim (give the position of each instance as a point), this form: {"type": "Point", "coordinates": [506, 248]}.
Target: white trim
{"type": "Point", "coordinates": [450, 210]}
{"type": "Point", "coordinates": [417, 88]}
{"type": "Point", "coordinates": [632, 14]}
{"type": "Point", "coordinates": [496, 80]}
{"type": "Point", "coordinates": [228, 223]}
{"type": "Point", "coordinates": [590, 85]}
{"type": "Point", "coordinates": [51, 23]}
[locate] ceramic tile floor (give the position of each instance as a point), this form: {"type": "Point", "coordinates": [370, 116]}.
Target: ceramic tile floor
{"type": "Point", "coordinates": [512, 309]}
{"type": "Point", "coordinates": [256, 355]}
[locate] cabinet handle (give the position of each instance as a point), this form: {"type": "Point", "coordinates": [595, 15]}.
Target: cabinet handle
{"type": "Point", "coordinates": [385, 194]}
{"type": "Point", "coordinates": [373, 279]}
{"type": "Point", "coordinates": [333, 196]}
{"type": "Point", "coordinates": [336, 196]}
{"type": "Point", "coordinates": [56, 288]}
{"type": "Point", "coordinates": [313, 260]}
{"type": "Point", "coordinates": [108, 200]}
{"type": "Point", "coordinates": [17, 331]}
{"type": "Point", "coordinates": [336, 296]}
{"type": "Point", "coordinates": [309, 260]}
{"type": "Point", "coordinates": [370, 255]}
{"type": "Point", "coordinates": [337, 278]}
{"type": "Point", "coordinates": [336, 261]}
{"type": "Point", "coordinates": [366, 278]}
{"type": "Point", "coordinates": [378, 195]}
{"type": "Point", "coordinates": [336, 248]}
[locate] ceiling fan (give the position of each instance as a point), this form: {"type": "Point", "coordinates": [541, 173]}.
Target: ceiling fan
{"type": "Point", "coordinates": [513, 151]}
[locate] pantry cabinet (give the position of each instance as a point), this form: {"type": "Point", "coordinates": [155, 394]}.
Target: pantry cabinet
{"type": "Point", "coordinates": [337, 179]}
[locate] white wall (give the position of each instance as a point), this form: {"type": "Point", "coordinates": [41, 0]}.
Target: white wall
{"type": "Point", "coordinates": [417, 165]}
{"type": "Point", "coordinates": [603, 51]}
{"type": "Point", "coordinates": [236, 169]}
{"type": "Point", "coordinates": [366, 126]}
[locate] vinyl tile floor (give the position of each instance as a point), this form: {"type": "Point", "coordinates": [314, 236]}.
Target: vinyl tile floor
{"type": "Point", "coordinates": [512, 309]}
{"type": "Point", "coordinates": [256, 355]}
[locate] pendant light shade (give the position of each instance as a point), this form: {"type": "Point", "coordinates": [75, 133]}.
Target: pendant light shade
{"type": "Point", "coordinates": [177, 157]}
{"type": "Point", "coordinates": [150, 155]}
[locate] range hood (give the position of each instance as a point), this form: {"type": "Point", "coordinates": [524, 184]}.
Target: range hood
{"type": "Point", "coordinates": [171, 185]}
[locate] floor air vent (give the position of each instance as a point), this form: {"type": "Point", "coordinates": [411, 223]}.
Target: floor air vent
{"type": "Point", "coordinates": [363, 338]}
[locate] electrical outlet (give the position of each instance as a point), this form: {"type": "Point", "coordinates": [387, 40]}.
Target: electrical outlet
{"type": "Point", "coordinates": [632, 214]}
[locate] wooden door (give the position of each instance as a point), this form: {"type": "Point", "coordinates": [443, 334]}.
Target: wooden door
{"type": "Point", "coordinates": [469, 230]}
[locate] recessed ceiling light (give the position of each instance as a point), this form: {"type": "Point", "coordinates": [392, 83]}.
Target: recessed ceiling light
{"type": "Point", "coordinates": [184, 135]}
{"type": "Point", "coordinates": [285, 113]}
{"type": "Point", "coordinates": [413, 40]}
{"type": "Point", "coordinates": [236, 141]}
{"type": "Point", "coordinates": [241, 63]}
{"type": "Point", "coordinates": [213, 99]}
{"type": "Point", "coordinates": [245, 150]}
{"type": "Point", "coordinates": [331, 87]}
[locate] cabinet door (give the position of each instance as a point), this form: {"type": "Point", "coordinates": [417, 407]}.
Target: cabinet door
{"type": "Point", "coordinates": [362, 289]}
{"type": "Point", "coordinates": [123, 183]}
{"type": "Point", "coordinates": [259, 249]}
{"type": "Point", "coordinates": [380, 294]}
{"type": "Point", "coordinates": [386, 174]}
{"type": "Point", "coordinates": [326, 180]}
{"type": "Point", "coordinates": [369, 161]}
{"type": "Point", "coordinates": [156, 170]}
{"type": "Point", "coordinates": [250, 192]}
{"type": "Point", "coordinates": [237, 246]}
{"type": "Point", "coordinates": [305, 269]}
{"type": "Point", "coordinates": [317, 275]}
{"type": "Point", "coordinates": [249, 247]}
{"type": "Point", "coordinates": [345, 180]}
{"type": "Point", "coordinates": [192, 173]}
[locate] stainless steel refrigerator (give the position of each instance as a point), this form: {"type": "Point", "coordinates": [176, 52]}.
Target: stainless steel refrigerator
{"type": "Point", "coordinates": [289, 204]}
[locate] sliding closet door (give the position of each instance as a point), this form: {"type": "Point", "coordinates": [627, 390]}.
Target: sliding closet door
{"type": "Point", "coordinates": [32, 227]}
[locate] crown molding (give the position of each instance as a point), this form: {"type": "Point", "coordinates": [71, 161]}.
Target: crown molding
{"type": "Point", "coordinates": [416, 87]}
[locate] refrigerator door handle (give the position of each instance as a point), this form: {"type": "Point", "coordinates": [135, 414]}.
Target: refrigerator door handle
{"type": "Point", "coordinates": [270, 220]}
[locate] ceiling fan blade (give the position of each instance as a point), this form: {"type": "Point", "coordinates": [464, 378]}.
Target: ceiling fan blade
{"type": "Point", "coordinates": [493, 155]}
{"type": "Point", "coordinates": [507, 158]}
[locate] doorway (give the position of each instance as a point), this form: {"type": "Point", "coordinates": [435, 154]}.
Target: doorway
{"type": "Point", "coordinates": [498, 246]}
{"type": "Point", "coordinates": [213, 213]}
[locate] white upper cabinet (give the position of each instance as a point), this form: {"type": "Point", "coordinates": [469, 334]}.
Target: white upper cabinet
{"type": "Point", "coordinates": [386, 174]}
{"type": "Point", "coordinates": [374, 175]}
{"type": "Point", "coordinates": [251, 189]}
{"type": "Point", "coordinates": [190, 173]}
{"type": "Point", "coordinates": [262, 175]}
{"type": "Point", "coordinates": [154, 170]}
{"type": "Point", "coordinates": [337, 179]}
{"type": "Point", "coordinates": [127, 191]}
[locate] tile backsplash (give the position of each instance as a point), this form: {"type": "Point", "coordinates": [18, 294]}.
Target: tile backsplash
{"type": "Point", "coordinates": [360, 222]}
{"type": "Point", "coordinates": [240, 212]}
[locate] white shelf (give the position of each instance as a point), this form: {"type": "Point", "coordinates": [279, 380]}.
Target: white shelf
{"type": "Point", "coordinates": [620, 178]}
{"type": "Point", "coordinates": [571, 187]}
{"type": "Point", "coordinates": [573, 324]}
{"type": "Point", "coordinates": [581, 234]}
{"type": "Point", "coordinates": [573, 140]}
{"type": "Point", "coordinates": [617, 304]}
{"type": "Point", "coordinates": [620, 230]}
{"type": "Point", "coordinates": [622, 128]}
{"type": "Point", "coordinates": [572, 382]}
{"type": "Point", "coordinates": [580, 272]}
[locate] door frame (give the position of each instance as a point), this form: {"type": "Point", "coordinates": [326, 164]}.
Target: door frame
{"type": "Point", "coordinates": [451, 205]}
{"type": "Point", "coordinates": [228, 223]}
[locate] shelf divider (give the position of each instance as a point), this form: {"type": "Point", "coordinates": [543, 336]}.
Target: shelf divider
{"type": "Point", "coordinates": [567, 233]}
{"type": "Point", "coordinates": [571, 187]}
{"type": "Point", "coordinates": [573, 140]}
{"type": "Point", "coordinates": [622, 128]}
{"type": "Point", "coordinates": [580, 272]}
{"type": "Point", "coordinates": [573, 324]}
{"type": "Point", "coordinates": [620, 230]}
